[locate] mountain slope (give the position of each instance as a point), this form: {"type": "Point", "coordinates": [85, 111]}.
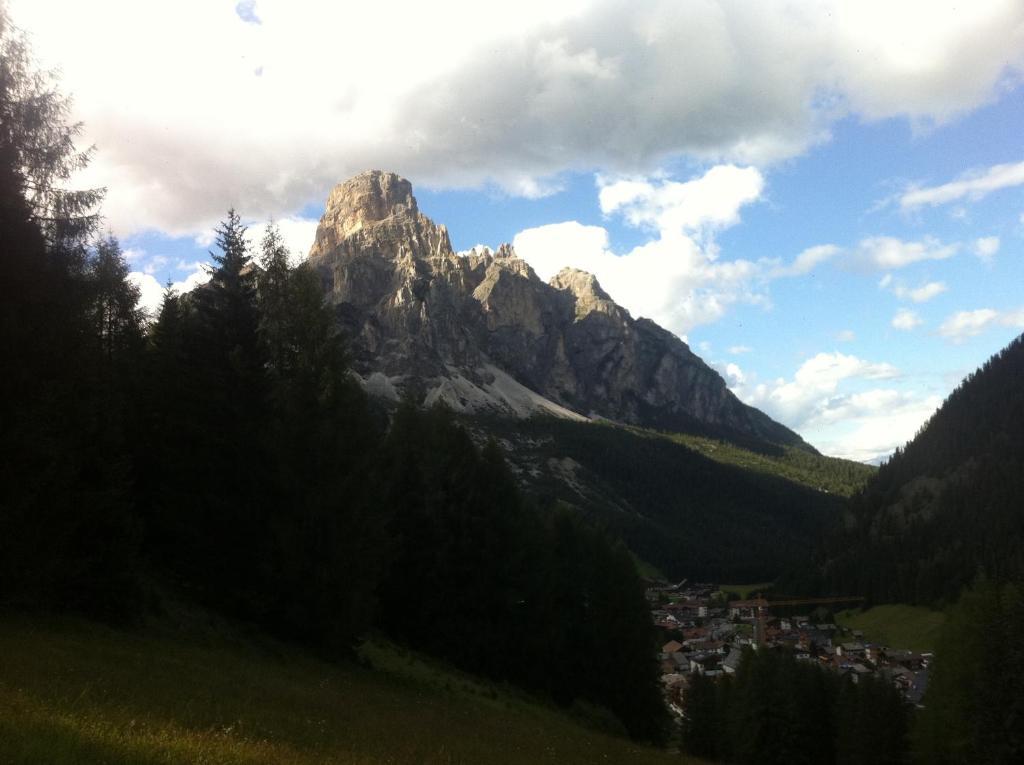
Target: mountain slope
{"type": "Point", "coordinates": [946, 507]}
{"type": "Point", "coordinates": [436, 325]}
{"type": "Point", "coordinates": [77, 693]}
{"type": "Point", "coordinates": [691, 506]}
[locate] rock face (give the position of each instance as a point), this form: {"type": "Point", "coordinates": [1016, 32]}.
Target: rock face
{"type": "Point", "coordinates": [482, 332]}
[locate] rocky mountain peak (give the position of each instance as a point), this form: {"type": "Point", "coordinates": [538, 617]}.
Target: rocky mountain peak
{"type": "Point", "coordinates": [481, 331]}
{"type": "Point", "coordinates": [369, 198]}
{"type": "Point", "coordinates": [375, 215]}
{"type": "Point", "coordinates": [585, 288]}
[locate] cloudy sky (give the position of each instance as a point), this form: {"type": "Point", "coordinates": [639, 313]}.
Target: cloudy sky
{"type": "Point", "coordinates": [825, 198]}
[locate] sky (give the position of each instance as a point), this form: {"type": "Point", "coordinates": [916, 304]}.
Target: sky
{"type": "Point", "coordinates": [825, 199]}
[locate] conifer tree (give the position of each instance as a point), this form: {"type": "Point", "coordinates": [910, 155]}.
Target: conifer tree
{"type": "Point", "coordinates": [701, 724]}
{"type": "Point", "coordinates": [35, 127]}
{"type": "Point", "coordinates": [974, 705]}
{"type": "Point", "coordinates": [324, 539]}
{"type": "Point", "coordinates": [115, 315]}
{"type": "Point", "coordinates": [65, 527]}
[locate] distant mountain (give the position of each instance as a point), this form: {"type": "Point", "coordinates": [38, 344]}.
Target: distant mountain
{"type": "Point", "coordinates": [948, 506]}
{"type": "Point", "coordinates": [484, 334]}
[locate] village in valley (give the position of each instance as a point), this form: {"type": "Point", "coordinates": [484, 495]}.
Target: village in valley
{"type": "Point", "coordinates": [706, 633]}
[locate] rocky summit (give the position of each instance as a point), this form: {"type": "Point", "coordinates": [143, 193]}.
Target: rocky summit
{"type": "Point", "coordinates": [483, 333]}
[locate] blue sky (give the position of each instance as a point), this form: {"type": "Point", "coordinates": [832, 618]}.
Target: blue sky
{"type": "Point", "coordinates": [825, 199]}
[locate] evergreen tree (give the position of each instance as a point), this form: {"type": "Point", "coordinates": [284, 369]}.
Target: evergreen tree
{"type": "Point", "coordinates": [974, 705]}
{"type": "Point", "coordinates": [776, 709]}
{"type": "Point", "coordinates": [117, 320]}
{"type": "Point", "coordinates": [702, 726]}
{"type": "Point", "coordinates": [872, 724]}
{"type": "Point", "coordinates": [274, 289]}
{"type": "Point", "coordinates": [210, 498]}
{"type": "Point", "coordinates": [320, 438]}
{"type": "Point", "coordinates": [66, 533]}
{"type": "Point", "coordinates": [35, 128]}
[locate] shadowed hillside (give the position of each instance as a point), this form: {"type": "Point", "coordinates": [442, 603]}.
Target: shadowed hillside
{"type": "Point", "coordinates": [77, 693]}
{"type": "Point", "coordinates": [945, 507]}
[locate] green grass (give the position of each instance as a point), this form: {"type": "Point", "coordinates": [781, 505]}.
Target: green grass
{"type": "Point", "coordinates": [647, 570]}
{"type": "Point", "coordinates": [897, 626]}
{"type": "Point", "coordinates": [745, 591]}
{"type": "Point", "coordinates": [76, 692]}
{"type": "Point", "coordinates": [831, 474]}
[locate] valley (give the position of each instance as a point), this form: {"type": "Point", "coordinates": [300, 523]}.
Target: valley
{"type": "Point", "coordinates": [698, 438]}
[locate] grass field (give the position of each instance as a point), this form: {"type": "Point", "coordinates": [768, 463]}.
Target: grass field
{"type": "Point", "coordinates": [646, 570]}
{"type": "Point", "coordinates": [745, 590]}
{"type": "Point", "coordinates": [831, 474]}
{"type": "Point", "coordinates": [897, 626]}
{"type": "Point", "coordinates": [75, 692]}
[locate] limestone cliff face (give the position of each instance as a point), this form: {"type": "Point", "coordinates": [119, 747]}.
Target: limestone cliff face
{"type": "Point", "coordinates": [482, 332]}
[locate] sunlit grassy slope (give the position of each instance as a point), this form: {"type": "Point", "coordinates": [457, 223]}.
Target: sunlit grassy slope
{"type": "Point", "coordinates": [744, 591]}
{"type": "Point", "coordinates": [897, 626]}
{"type": "Point", "coordinates": [73, 692]}
{"type": "Point", "coordinates": [836, 476]}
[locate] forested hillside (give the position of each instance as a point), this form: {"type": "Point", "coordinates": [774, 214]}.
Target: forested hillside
{"type": "Point", "coordinates": [690, 505]}
{"type": "Point", "coordinates": [946, 507]}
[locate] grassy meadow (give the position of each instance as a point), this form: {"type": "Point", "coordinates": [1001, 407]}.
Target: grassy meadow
{"type": "Point", "coordinates": [831, 474]}
{"type": "Point", "coordinates": [896, 625]}
{"type": "Point", "coordinates": [745, 591]}
{"type": "Point", "coordinates": [77, 692]}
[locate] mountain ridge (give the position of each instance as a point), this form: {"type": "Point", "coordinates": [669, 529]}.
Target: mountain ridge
{"type": "Point", "coordinates": [946, 506]}
{"type": "Point", "coordinates": [426, 322]}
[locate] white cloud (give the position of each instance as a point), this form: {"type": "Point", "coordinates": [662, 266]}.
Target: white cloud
{"type": "Point", "coordinates": [827, 403]}
{"type": "Point", "coordinates": [906, 320]}
{"type": "Point", "coordinates": [711, 201]}
{"type": "Point", "coordinates": [921, 294]}
{"type": "Point", "coordinates": [966, 324]}
{"type": "Point", "coordinates": [297, 233]}
{"type": "Point", "coordinates": [200, 276]}
{"type": "Point", "coordinates": [671, 280]}
{"type": "Point", "coordinates": [846, 336]}
{"type": "Point", "coordinates": [677, 278]}
{"type": "Point", "coordinates": [927, 291]}
{"type": "Point", "coordinates": [986, 247]}
{"type": "Point", "coordinates": [471, 93]}
{"type": "Point", "coordinates": [886, 252]}
{"type": "Point", "coordinates": [734, 374]}
{"type": "Point", "coordinates": [877, 425]}
{"type": "Point", "coordinates": [151, 292]}
{"type": "Point", "coordinates": [736, 350]}
{"type": "Point", "coordinates": [973, 186]}
{"type": "Point", "coordinates": [809, 396]}
{"type": "Point", "coordinates": [963, 325]}
{"type": "Point", "coordinates": [807, 260]}
{"type": "Point", "coordinates": [555, 246]}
